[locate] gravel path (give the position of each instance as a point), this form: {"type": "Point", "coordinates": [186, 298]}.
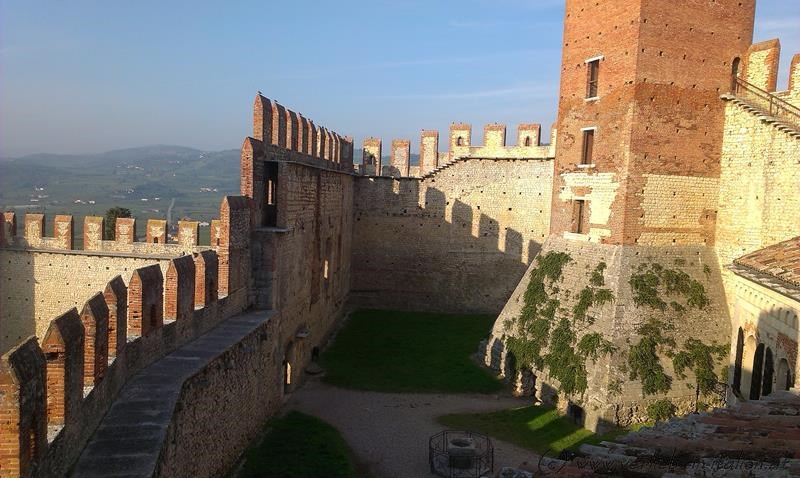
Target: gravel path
{"type": "Point", "coordinates": [389, 431]}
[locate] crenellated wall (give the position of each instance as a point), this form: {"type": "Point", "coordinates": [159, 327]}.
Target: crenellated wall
{"type": "Point", "coordinates": [274, 124]}
{"type": "Point", "coordinates": [457, 240]}
{"type": "Point", "coordinates": [84, 372]}
{"type": "Point", "coordinates": [528, 145]}
{"type": "Point", "coordinates": [301, 252]}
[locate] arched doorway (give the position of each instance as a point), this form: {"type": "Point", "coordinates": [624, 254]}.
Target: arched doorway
{"type": "Point", "coordinates": [737, 365]}
{"type": "Point", "coordinates": [758, 367]}
{"type": "Point", "coordinates": [784, 377]}
{"type": "Point", "coordinates": [748, 356]}
{"type": "Point", "coordinates": [769, 372]}
{"type": "Point", "coordinates": [735, 64]}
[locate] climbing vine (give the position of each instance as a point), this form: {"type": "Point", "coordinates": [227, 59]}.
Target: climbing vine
{"type": "Point", "coordinates": [661, 410]}
{"type": "Point", "coordinates": [700, 358]}
{"type": "Point", "coordinates": [539, 330]}
{"type": "Point", "coordinates": [649, 285]}
{"type": "Point", "coordinates": [548, 336]}
{"type": "Point", "coordinates": [643, 359]}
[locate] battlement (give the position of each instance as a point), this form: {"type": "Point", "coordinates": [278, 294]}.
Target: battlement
{"type": "Point", "coordinates": [528, 145]}
{"type": "Point", "coordinates": [759, 68]}
{"type": "Point", "coordinates": [273, 124]}
{"type": "Point", "coordinates": [400, 159]}
{"type": "Point", "coordinates": [125, 240]}
{"type": "Point", "coordinates": [372, 150]}
{"type": "Point", "coordinates": [59, 388]}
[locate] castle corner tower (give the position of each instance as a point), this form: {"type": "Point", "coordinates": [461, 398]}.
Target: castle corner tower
{"type": "Point", "coordinates": [629, 273]}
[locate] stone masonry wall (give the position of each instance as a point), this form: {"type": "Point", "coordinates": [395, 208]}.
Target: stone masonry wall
{"type": "Point", "coordinates": [457, 241]}
{"type": "Point", "coordinates": [302, 267]}
{"type": "Point", "coordinates": [37, 286]}
{"type": "Point", "coordinates": [603, 402]}
{"type": "Point", "coordinates": [759, 202]}
{"type": "Point", "coordinates": [246, 378]}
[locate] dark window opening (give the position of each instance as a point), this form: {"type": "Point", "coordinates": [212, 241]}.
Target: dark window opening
{"type": "Point", "coordinates": [588, 146]}
{"type": "Point", "coordinates": [735, 72]}
{"type": "Point", "coordinates": [528, 141]}
{"type": "Point", "coordinates": [460, 141]}
{"type": "Point", "coordinates": [270, 218]}
{"type": "Point", "coordinates": [155, 240]}
{"type": "Point", "coordinates": [579, 216]}
{"type": "Point", "coordinates": [592, 77]}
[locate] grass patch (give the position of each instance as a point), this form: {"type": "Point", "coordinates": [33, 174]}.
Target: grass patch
{"type": "Point", "coordinates": [391, 351]}
{"type": "Point", "coordinates": [536, 428]}
{"type": "Point", "coordinates": [300, 445]}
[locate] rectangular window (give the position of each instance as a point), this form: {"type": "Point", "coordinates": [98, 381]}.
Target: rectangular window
{"type": "Point", "coordinates": [270, 208]}
{"type": "Point", "coordinates": [592, 75]}
{"type": "Point", "coordinates": [588, 146]}
{"type": "Point", "coordinates": [579, 216]}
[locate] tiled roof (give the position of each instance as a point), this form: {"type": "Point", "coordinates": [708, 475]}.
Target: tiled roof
{"type": "Point", "coordinates": [781, 260]}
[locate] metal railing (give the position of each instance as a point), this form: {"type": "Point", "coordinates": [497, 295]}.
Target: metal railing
{"type": "Point", "coordinates": [767, 102]}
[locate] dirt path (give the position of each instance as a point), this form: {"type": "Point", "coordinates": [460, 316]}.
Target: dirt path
{"type": "Point", "coordinates": [389, 431]}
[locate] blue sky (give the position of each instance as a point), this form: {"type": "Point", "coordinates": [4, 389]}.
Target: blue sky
{"type": "Point", "coordinates": [89, 76]}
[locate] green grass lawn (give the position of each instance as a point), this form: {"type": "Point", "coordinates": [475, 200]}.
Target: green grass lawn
{"type": "Point", "coordinates": [536, 428]}
{"type": "Point", "coordinates": [391, 351]}
{"type": "Point", "coordinates": [300, 445]}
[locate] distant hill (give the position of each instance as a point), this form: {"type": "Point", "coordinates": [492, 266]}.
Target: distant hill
{"type": "Point", "coordinates": [145, 179]}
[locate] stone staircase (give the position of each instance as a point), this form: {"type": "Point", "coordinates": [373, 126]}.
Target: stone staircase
{"type": "Point", "coordinates": [788, 122]}
{"type": "Point", "coordinates": [444, 166]}
{"type": "Point", "coordinates": [463, 159]}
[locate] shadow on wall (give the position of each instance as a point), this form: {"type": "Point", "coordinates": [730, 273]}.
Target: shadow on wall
{"type": "Point", "coordinates": [443, 255]}
{"type": "Point", "coordinates": [16, 293]}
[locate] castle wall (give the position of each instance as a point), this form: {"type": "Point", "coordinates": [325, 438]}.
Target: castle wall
{"type": "Point", "coordinates": [252, 389]}
{"type": "Point", "coordinates": [456, 241]}
{"type": "Point", "coordinates": [758, 200]}
{"type": "Point", "coordinates": [302, 266]}
{"type": "Point", "coordinates": [37, 286]}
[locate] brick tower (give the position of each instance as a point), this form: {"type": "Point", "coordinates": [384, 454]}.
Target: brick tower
{"type": "Point", "coordinates": [629, 271]}
{"type": "Point", "coordinates": [639, 118]}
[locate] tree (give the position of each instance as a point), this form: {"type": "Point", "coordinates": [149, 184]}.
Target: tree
{"type": "Point", "coordinates": [111, 220]}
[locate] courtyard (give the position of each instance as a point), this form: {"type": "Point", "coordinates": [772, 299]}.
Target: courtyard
{"type": "Point", "coordinates": [394, 379]}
